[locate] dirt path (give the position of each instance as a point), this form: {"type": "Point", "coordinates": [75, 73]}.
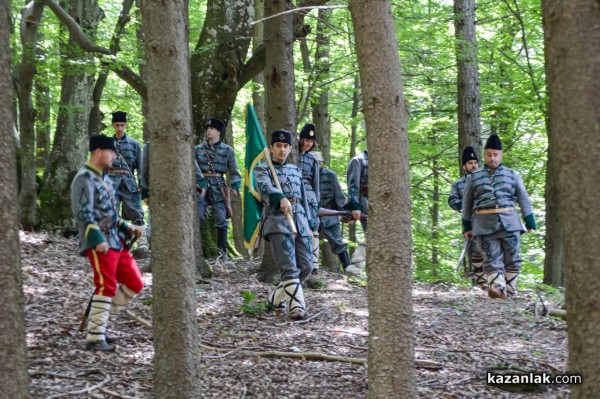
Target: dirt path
{"type": "Point", "coordinates": [462, 331]}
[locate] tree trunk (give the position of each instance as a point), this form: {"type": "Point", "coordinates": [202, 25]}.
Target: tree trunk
{"type": "Point", "coordinates": [42, 105]}
{"type": "Point", "coordinates": [70, 140]}
{"type": "Point", "coordinates": [572, 47]}
{"type": "Point", "coordinates": [320, 107]}
{"type": "Point", "coordinates": [279, 90]}
{"type": "Point", "coordinates": [356, 106]}
{"type": "Point", "coordinates": [236, 205]}
{"type": "Point", "coordinates": [31, 15]}
{"type": "Point", "coordinates": [14, 379]}
{"type": "Point", "coordinates": [218, 60]}
{"type": "Point", "coordinates": [173, 200]}
{"type": "Point", "coordinates": [469, 99]}
{"type": "Point", "coordinates": [391, 360]}
{"type": "Point", "coordinates": [554, 260]}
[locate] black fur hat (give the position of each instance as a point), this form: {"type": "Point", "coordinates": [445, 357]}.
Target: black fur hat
{"type": "Point", "coordinates": [493, 143]}
{"type": "Point", "coordinates": [281, 136]}
{"type": "Point", "coordinates": [217, 124]}
{"type": "Point", "coordinates": [308, 132]}
{"type": "Point", "coordinates": [102, 142]}
{"type": "Point", "coordinates": [119, 116]}
{"type": "Point", "coordinates": [469, 155]}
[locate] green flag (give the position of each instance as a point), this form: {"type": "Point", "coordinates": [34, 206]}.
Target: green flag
{"type": "Point", "coordinates": [255, 145]}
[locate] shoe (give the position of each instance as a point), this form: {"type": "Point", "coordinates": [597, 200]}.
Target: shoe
{"type": "Point", "coordinates": [99, 346]}
{"type": "Point", "coordinates": [315, 271]}
{"type": "Point", "coordinates": [353, 270]}
{"type": "Point", "coordinates": [111, 340]}
{"type": "Point", "coordinates": [495, 292]}
{"type": "Point", "coordinates": [297, 314]}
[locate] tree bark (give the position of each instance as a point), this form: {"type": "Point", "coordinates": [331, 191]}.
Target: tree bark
{"type": "Point", "coordinates": [554, 259]}
{"type": "Point", "coordinates": [469, 99]}
{"type": "Point", "coordinates": [320, 107]}
{"type": "Point", "coordinates": [31, 15]}
{"type": "Point", "coordinates": [572, 48]}
{"type": "Point", "coordinates": [279, 93]}
{"type": "Point", "coordinates": [70, 139]}
{"type": "Point", "coordinates": [14, 379]}
{"type": "Point", "coordinates": [173, 201]}
{"type": "Point", "coordinates": [391, 359]}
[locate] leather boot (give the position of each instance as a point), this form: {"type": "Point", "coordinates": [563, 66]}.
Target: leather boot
{"type": "Point", "coordinates": [222, 242]}
{"type": "Point", "coordinates": [97, 322]}
{"type": "Point", "coordinates": [344, 259]}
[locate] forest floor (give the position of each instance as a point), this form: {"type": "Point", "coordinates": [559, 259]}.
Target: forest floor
{"type": "Point", "coordinates": [461, 334]}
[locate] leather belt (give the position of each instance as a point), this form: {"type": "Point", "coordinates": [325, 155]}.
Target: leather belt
{"type": "Point", "coordinates": [212, 174]}
{"type": "Point", "coordinates": [493, 210]}
{"type": "Point", "coordinates": [118, 172]}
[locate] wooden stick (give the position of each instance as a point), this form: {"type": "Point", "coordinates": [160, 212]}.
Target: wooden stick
{"type": "Point", "coordinates": [557, 313]}
{"type": "Point", "coordinates": [137, 318]}
{"type": "Point", "coordinates": [276, 180]}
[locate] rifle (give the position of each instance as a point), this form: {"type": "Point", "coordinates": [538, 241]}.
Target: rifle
{"type": "Point", "coordinates": [462, 255]}
{"type": "Point", "coordinates": [86, 314]}
{"type": "Point", "coordinates": [346, 215]}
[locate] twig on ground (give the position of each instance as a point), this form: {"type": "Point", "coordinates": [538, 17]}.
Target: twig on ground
{"type": "Point", "coordinates": [301, 321]}
{"type": "Point", "coordinates": [137, 318]}
{"type": "Point", "coordinates": [84, 390]}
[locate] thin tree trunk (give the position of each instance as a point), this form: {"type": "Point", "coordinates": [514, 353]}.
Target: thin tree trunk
{"type": "Point", "coordinates": [31, 15]}
{"type": "Point", "coordinates": [14, 379]}
{"type": "Point", "coordinates": [469, 99]}
{"type": "Point", "coordinates": [70, 140]}
{"type": "Point", "coordinates": [320, 107]}
{"type": "Point", "coordinates": [236, 205]}
{"type": "Point", "coordinates": [391, 322]}
{"type": "Point", "coordinates": [356, 105]}
{"type": "Point", "coordinates": [173, 200]}
{"type": "Point", "coordinates": [554, 259]}
{"type": "Point", "coordinates": [572, 48]}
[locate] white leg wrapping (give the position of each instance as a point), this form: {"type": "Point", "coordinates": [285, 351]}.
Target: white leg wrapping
{"type": "Point", "coordinates": [496, 285]}
{"type": "Point", "coordinates": [511, 283]}
{"type": "Point", "coordinates": [294, 294]}
{"type": "Point", "coordinates": [142, 242]}
{"type": "Point", "coordinates": [277, 298]}
{"type": "Point", "coordinates": [314, 241]}
{"type": "Point", "coordinates": [122, 297]}
{"type": "Point", "coordinates": [98, 318]}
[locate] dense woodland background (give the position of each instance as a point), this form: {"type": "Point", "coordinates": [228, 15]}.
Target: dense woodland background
{"type": "Point", "coordinates": [468, 70]}
{"type": "Point", "coordinates": [65, 92]}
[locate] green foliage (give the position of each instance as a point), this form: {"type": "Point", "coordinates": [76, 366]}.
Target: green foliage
{"type": "Point", "coordinates": [251, 306]}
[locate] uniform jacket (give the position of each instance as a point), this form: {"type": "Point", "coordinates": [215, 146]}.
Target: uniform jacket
{"type": "Point", "coordinates": [501, 189]}
{"type": "Point", "coordinates": [455, 200]}
{"type": "Point", "coordinates": [290, 179]}
{"type": "Point", "coordinates": [358, 178]}
{"type": "Point", "coordinates": [222, 157]}
{"type": "Point", "coordinates": [310, 175]}
{"type": "Point", "coordinates": [332, 196]}
{"type": "Point", "coordinates": [129, 157]}
{"type": "Point", "coordinates": [95, 211]}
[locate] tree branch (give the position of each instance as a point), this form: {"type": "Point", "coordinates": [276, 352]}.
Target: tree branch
{"type": "Point", "coordinates": [75, 30]}
{"type": "Point", "coordinates": [254, 66]}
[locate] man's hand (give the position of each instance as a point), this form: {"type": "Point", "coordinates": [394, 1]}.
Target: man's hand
{"type": "Point", "coordinates": [285, 206]}
{"type": "Point", "coordinates": [102, 248]}
{"type": "Point", "coordinates": [135, 231]}
{"type": "Point", "coordinates": [356, 214]}
{"type": "Point", "coordinates": [469, 234]}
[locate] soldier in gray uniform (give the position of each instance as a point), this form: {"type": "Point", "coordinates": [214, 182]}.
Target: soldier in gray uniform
{"type": "Point", "coordinates": [332, 197]}
{"type": "Point", "coordinates": [489, 215]}
{"type": "Point", "coordinates": [292, 252]}
{"type": "Point", "coordinates": [470, 163]}
{"type": "Point", "coordinates": [310, 174]}
{"type": "Point", "coordinates": [216, 159]}
{"type": "Point", "coordinates": [357, 175]}
{"type": "Point", "coordinates": [101, 239]}
{"type": "Point", "coordinates": [129, 160]}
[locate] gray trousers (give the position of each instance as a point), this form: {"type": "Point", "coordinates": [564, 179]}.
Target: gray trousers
{"type": "Point", "coordinates": [293, 255]}
{"type": "Point", "coordinates": [132, 205]}
{"type": "Point", "coordinates": [219, 211]}
{"type": "Point", "coordinates": [330, 227]}
{"type": "Point", "coordinates": [500, 251]}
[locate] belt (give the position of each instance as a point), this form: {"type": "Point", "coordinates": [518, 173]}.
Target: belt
{"type": "Point", "coordinates": [212, 174]}
{"type": "Point", "coordinates": [118, 172]}
{"type": "Point", "coordinates": [493, 210]}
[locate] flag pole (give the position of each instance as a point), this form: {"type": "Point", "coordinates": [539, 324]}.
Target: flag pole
{"type": "Point", "coordinates": [276, 180]}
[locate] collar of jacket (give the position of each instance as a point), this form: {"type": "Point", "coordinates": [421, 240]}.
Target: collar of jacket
{"type": "Point", "coordinates": [93, 168]}
{"type": "Point", "coordinates": [275, 163]}
{"type": "Point", "coordinates": [122, 138]}
{"type": "Point", "coordinates": [218, 143]}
